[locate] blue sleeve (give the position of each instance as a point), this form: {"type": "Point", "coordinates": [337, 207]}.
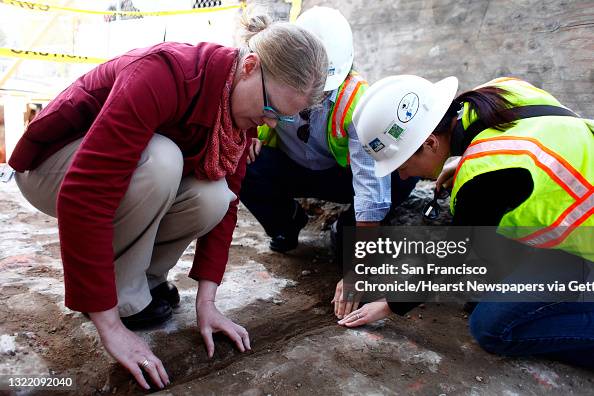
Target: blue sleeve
{"type": "Point", "coordinates": [372, 194]}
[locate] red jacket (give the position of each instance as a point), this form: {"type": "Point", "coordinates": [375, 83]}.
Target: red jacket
{"type": "Point", "coordinates": [171, 88]}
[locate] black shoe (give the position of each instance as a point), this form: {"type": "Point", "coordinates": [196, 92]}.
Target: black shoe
{"type": "Point", "coordinates": [168, 292]}
{"type": "Point", "coordinates": [157, 312]}
{"type": "Point", "coordinates": [290, 239]}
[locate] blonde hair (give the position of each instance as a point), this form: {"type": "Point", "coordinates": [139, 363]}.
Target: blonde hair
{"type": "Point", "coordinates": [289, 54]}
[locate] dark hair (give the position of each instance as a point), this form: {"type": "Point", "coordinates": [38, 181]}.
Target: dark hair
{"type": "Point", "coordinates": [487, 102]}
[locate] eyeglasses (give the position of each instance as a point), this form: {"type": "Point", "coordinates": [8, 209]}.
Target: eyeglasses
{"type": "Point", "coordinates": [269, 111]}
{"type": "Point", "coordinates": [431, 210]}
{"type": "Point", "coordinates": [303, 130]}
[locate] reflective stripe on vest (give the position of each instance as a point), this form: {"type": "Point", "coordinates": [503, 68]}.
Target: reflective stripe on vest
{"type": "Point", "coordinates": [565, 175]}
{"type": "Point", "coordinates": [344, 100]}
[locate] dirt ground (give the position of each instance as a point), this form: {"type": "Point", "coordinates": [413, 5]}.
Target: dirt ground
{"type": "Point", "coordinates": [284, 302]}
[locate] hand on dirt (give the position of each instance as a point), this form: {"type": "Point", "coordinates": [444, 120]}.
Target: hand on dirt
{"type": "Point", "coordinates": [345, 301]}
{"type": "Point", "coordinates": [129, 349]}
{"type": "Point", "coordinates": [446, 177]}
{"type": "Point", "coordinates": [210, 321]}
{"type": "Point", "coordinates": [255, 147]}
{"type": "Point", "coordinates": [368, 313]}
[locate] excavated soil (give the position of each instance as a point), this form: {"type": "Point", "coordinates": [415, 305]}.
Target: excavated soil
{"type": "Point", "coordinates": [283, 301]}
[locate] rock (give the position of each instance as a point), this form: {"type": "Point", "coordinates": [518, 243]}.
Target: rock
{"type": "Point", "coordinates": [305, 272]}
{"type": "Point", "coordinates": [319, 311]}
{"type": "Point", "coordinates": [420, 316]}
{"type": "Point", "coordinates": [479, 379]}
{"type": "Point", "coordinates": [277, 301]}
{"type": "Point", "coordinates": [7, 344]}
{"type": "Point", "coordinates": [298, 384]}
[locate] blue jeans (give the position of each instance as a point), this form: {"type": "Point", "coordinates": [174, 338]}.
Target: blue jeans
{"type": "Point", "coordinates": [557, 326]}
{"type": "Point", "coordinates": [560, 330]}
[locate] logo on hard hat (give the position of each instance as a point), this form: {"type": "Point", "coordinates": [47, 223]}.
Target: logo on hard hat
{"type": "Point", "coordinates": [331, 70]}
{"type": "Point", "coordinates": [395, 131]}
{"type": "Point", "coordinates": [408, 106]}
{"type": "Point", "coordinates": [376, 145]}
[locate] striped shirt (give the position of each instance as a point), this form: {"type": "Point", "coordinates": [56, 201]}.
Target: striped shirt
{"type": "Point", "coordinates": [372, 195]}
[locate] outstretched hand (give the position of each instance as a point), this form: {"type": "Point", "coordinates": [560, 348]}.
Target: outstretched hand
{"type": "Point", "coordinates": [446, 177]}
{"type": "Point", "coordinates": [211, 321]}
{"type": "Point", "coordinates": [368, 313]}
{"type": "Point", "coordinates": [254, 151]}
{"type": "Point", "coordinates": [128, 349]}
{"type": "Point", "coordinates": [345, 301]}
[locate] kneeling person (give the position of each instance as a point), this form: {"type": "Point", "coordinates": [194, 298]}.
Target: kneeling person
{"type": "Point", "coordinates": [317, 154]}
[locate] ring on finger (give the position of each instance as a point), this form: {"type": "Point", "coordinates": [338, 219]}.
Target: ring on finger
{"type": "Point", "coordinates": [350, 296]}
{"type": "Point", "coordinates": [145, 363]}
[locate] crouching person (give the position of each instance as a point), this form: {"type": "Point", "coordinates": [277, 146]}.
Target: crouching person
{"type": "Point", "coordinates": [316, 154]}
{"type": "Point", "coordinates": [146, 153]}
{"type": "Point", "coordinates": [517, 169]}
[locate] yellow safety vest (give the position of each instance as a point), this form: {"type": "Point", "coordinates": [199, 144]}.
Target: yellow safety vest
{"type": "Point", "coordinates": [559, 154]}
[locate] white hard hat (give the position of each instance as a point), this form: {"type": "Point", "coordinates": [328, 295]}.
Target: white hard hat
{"type": "Point", "coordinates": [395, 116]}
{"type": "Point", "coordinates": [332, 28]}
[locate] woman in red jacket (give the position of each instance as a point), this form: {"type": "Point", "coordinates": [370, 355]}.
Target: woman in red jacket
{"type": "Point", "coordinates": [145, 153]}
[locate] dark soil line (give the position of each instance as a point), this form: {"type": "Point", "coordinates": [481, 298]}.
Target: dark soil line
{"type": "Point", "coordinates": [270, 327]}
{"type": "Point", "coordinates": [269, 337]}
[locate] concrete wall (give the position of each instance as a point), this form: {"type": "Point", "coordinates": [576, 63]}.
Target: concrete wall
{"type": "Point", "coordinates": [277, 9]}
{"type": "Point", "coordinates": [550, 43]}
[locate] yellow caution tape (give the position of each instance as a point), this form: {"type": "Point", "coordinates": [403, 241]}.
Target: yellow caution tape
{"type": "Point", "coordinates": [29, 6]}
{"type": "Point", "coordinates": [48, 56]}
{"type": "Point", "coordinates": [32, 97]}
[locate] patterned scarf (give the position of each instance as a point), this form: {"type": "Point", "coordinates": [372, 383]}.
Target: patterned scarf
{"type": "Point", "coordinates": [226, 143]}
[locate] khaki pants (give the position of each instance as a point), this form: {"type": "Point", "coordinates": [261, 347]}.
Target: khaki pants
{"type": "Point", "coordinates": [157, 219]}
